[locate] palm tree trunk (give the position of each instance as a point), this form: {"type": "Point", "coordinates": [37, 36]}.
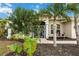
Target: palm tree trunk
{"type": "Point", "coordinates": [76, 29]}
{"type": "Point", "coordinates": [54, 32]}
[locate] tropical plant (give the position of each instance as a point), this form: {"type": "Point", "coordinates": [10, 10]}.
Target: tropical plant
{"type": "Point", "coordinates": [2, 31]}
{"type": "Point", "coordinates": [57, 10]}
{"type": "Point", "coordinates": [16, 48]}
{"type": "Point", "coordinates": [2, 27]}
{"type": "Point", "coordinates": [24, 19]}
{"type": "Point", "coordinates": [18, 36]}
{"type": "Point", "coordinates": [74, 8]}
{"type": "Point", "coordinates": [30, 45]}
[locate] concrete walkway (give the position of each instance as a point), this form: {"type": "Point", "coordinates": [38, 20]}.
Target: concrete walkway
{"type": "Point", "coordinates": [45, 41]}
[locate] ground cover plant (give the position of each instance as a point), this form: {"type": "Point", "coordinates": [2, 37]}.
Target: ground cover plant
{"type": "Point", "coordinates": [16, 48]}
{"type": "Point", "coordinates": [28, 46]}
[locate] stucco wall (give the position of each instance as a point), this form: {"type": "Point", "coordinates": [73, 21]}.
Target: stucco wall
{"type": "Point", "coordinates": [67, 28]}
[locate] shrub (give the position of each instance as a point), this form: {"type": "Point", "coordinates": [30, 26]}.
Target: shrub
{"type": "Point", "coordinates": [2, 31]}
{"type": "Point", "coordinates": [30, 45]}
{"type": "Point", "coordinates": [17, 36]}
{"type": "Point", "coordinates": [15, 48]}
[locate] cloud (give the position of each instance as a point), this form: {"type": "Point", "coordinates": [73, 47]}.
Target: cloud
{"type": "Point", "coordinates": [0, 4]}
{"type": "Point", "coordinates": [5, 8]}
{"type": "Point", "coordinates": [8, 4]}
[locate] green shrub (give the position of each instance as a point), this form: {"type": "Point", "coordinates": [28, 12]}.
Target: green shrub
{"type": "Point", "coordinates": [30, 45]}
{"type": "Point", "coordinates": [2, 28]}
{"type": "Point", "coordinates": [2, 31]}
{"type": "Point", "coordinates": [15, 48]}
{"type": "Point", "coordinates": [17, 36]}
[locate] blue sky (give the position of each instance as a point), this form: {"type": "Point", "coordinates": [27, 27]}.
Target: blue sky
{"type": "Point", "coordinates": [6, 8]}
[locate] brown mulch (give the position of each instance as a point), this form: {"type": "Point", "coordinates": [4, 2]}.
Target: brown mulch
{"type": "Point", "coordinates": [60, 50]}
{"type": "Point", "coordinates": [49, 50]}
{"type": "Point", "coordinates": [42, 49]}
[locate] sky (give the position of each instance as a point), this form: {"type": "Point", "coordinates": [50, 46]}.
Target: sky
{"type": "Point", "coordinates": [7, 8]}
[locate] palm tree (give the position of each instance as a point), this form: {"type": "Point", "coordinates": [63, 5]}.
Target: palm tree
{"type": "Point", "coordinates": [23, 19]}
{"type": "Point", "coordinates": [74, 8]}
{"type": "Point", "coordinates": [56, 10]}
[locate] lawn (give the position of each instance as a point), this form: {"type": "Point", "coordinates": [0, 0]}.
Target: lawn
{"type": "Point", "coordinates": [44, 49]}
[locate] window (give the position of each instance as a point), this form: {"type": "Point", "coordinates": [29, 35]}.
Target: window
{"type": "Point", "coordinates": [58, 30]}
{"type": "Point", "coordinates": [58, 26]}
{"type": "Point", "coordinates": [51, 28]}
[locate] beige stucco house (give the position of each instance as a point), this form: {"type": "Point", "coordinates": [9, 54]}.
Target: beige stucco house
{"type": "Point", "coordinates": [63, 29]}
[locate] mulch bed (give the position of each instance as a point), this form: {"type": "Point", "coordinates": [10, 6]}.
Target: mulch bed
{"type": "Point", "coordinates": [13, 54]}
{"type": "Point", "coordinates": [49, 50]}
{"type": "Point", "coordinates": [60, 50]}
{"type": "Point", "coordinates": [43, 49]}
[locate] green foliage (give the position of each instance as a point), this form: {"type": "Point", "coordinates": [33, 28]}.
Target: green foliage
{"type": "Point", "coordinates": [15, 48]}
{"type": "Point", "coordinates": [17, 36]}
{"type": "Point", "coordinates": [2, 32]}
{"type": "Point", "coordinates": [30, 45]}
{"type": "Point", "coordinates": [2, 27]}
{"type": "Point", "coordinates": [23, 19]}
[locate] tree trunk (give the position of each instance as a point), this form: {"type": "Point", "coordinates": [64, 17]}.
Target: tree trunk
{"type": "Point", "coordinates": [76, 29]}
{"type": "Point", "coordinates": [54, 32]}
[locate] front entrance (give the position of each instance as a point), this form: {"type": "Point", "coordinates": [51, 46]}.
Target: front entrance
{"type": "Point", "coordinates": [42, 30]}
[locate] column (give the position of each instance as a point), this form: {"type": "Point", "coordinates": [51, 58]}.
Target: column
{"type": "Point", "coordinates": [9, 33]}
{"type": "Point", "coordinates": [47, 28]}
{"type": "Point", "coordinates": [8, 30]}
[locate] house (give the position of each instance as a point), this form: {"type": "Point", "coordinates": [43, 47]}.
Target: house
{"type": "Point", "coordinates": [66, 29]}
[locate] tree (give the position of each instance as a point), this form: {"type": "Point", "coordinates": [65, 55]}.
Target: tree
{"type": "Point", "coordinates": [3, 23]}
{"type": "Point", "coordinates": [23, 19]}
{"type": "Point", "coordinates": [74, 8]}
{"type": "Point", "coordinates": [57, 10]}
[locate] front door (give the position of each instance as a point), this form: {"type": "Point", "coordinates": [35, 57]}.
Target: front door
{"type": "Point", "coordinates": [42, 30]}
